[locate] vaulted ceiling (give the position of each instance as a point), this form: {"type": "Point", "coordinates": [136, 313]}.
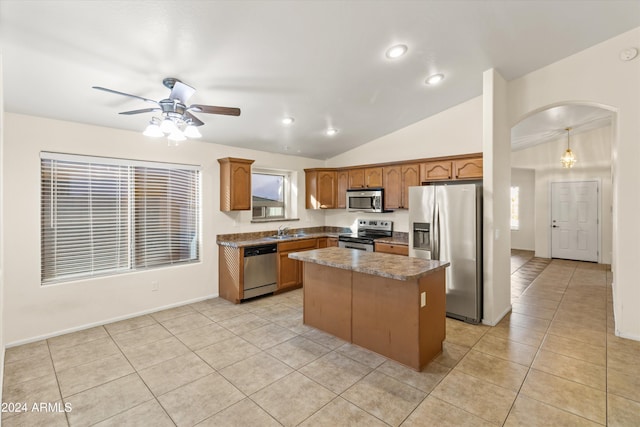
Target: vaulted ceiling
{"type": "Point", "coordinates": [321, 62]}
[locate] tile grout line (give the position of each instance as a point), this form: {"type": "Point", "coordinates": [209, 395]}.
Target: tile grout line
{"type": "Point", "coordinates": [530, 367]}
{"type": "Point", "coordinates": [55, 373]}
{"type": "Point", "coordinates": [566, 379]}
{"type": "Point", "coordinates": [141, 379]}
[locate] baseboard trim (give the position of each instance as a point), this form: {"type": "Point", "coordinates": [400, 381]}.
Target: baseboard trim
{"type": "Point", "coordinates": [495, 322]}
{"type": "Point", "coordinates": [107, 321]}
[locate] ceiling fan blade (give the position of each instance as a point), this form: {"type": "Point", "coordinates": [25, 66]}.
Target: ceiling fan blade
{"type": "Point", "coordinates": [181, 92]}
{"type": "Point", "coordinates": [209, 109]}
{"type": "Point", "coordinates": [144, 110]}
{"type": "Point", "coordinates": [124, 94]}
{"type": "Point", "coordinates": [196, 121]}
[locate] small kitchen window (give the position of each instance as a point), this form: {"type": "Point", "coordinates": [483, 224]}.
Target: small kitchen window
{"type": "Point", "coordinates": [271, 195]}
{"type": "Point", "coordinates": [268, 195]}
{"type": "Point", "coordinates": [515, 208]}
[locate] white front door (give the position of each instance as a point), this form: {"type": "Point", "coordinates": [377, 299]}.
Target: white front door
{"type": "Point", "coordinates": [574, 220]}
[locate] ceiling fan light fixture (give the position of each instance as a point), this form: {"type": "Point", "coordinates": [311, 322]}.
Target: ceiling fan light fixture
{"type": "Point", "coordinates": [434, 79]}
{"type": "Point", "coordinates": [288, 121]}
{"type": "Point", "coordinates": [176, 136]}
{"type": "Point", "coordinates": [153, 130]}
{"type": "Point", "coordinates": [331, 131]}
{"type": "Point", "coordinates": [168, 126]}
{"type": "Point", "coordinates": [396, 51]}
{"type": "Point", "coordinates": [192, 131]}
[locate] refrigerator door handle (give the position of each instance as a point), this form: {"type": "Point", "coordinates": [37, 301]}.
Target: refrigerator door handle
{"type": "Point", "coordinates": [436, 233]}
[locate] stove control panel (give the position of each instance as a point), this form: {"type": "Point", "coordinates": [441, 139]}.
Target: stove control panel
{"type": "Point", "coordinates": [375, 224]}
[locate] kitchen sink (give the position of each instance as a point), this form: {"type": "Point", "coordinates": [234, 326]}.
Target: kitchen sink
{"type": "Point", "coordinates": [286, 236]}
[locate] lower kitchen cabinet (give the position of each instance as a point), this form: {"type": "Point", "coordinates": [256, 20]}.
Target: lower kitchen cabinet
{"type": "Point", "coordinates": [290, 270]}
{"type": "Point", "coordinates": [230, 273]}
{"type": "Point", "coordinates": [332, 242]}
{"type": "Point", "coordinates": [391, 248]}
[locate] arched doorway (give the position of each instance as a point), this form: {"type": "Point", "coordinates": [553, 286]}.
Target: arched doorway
{"type": "Point", "coordinates": [538, 140]}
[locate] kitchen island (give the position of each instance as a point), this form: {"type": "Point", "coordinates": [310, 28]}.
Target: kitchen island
{"type": "Point", "coordinates": [390, 304]}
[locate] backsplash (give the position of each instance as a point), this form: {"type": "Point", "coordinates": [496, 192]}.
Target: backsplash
{"type": "Point", "coordinates": [261, 234]}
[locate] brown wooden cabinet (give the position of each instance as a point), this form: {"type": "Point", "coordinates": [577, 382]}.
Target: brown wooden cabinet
{"type": "Point", "coordinates": [290, 270]}
{"type": "Point", "coordinates": [326, 187]}
{"type": "Point", "coordinates": [365, 177]}
{"type": "Point", "coordinates": [332, 242]}
{"type": "Point", "coordinates": [392, 183]}
{"type": "Point", "coordinates": [343, 184]}
{"type": "Point", "coordinates": [230, 273]}
{"type": "Point", "coordinates": [235, 184]}
{"type": "Point", "coordinates": [396, 182]}
{"type": "Point", "coordinates": [410, 178]}
{"type": "Point", "coordinates": [392, 248]}
{"type": "Point", "coordinates": [436, 171]}
{"type": "Point", "coordinates": [320, 188]}
{"type": "Point", "coordinates": [356, 178]}
{"type": "Point", "coordinates": [468, 168]}
{"type": "Point", "coordinates": [373, 177]}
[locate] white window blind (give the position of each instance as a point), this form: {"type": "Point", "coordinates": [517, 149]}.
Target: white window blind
{"type": "Point", "coordinates": [106, 216]}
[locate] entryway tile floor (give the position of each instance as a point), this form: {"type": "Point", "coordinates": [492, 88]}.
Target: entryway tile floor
{"type": "Point", "coordinates": [554, 361]}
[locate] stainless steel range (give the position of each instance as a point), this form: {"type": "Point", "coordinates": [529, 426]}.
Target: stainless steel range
{"type": "Point", "coordinates": [368, 231]}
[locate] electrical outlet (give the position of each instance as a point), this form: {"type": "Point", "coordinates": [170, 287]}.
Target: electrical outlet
{"type": "Point", "coordinates": [155, 286]}
{"type": "Point", "coordinates": [423, 299]}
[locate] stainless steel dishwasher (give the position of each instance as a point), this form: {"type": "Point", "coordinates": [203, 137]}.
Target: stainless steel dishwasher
{"type": "Point", "coordinates": [260, 270]}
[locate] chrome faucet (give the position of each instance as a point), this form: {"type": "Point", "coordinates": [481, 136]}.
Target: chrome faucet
{"type": "Point", "coordinates": [282, 230]}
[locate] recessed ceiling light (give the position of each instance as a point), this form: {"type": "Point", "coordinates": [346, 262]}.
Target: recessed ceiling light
{"type": "Point", "coordinates": [288, 120]}
{"type": "Point", "coordinates": [396, 51]}
{"type": "Point", "coordinates": [331, 132]}
{"type": "Point", "coordinates": [434, 80]}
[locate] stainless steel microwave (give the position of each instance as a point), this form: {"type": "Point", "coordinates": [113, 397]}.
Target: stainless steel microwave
{"type": "Point", "coordinates": [365, 200]}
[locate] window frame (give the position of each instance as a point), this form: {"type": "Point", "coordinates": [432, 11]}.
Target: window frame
{"type": "Point", "coordinates": [287, 196]}
{"type": "Point", "coordinates": [177, 177]}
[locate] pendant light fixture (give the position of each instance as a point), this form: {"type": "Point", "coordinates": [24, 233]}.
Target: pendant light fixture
{"type": "Point", "coordinates": [568, 159]}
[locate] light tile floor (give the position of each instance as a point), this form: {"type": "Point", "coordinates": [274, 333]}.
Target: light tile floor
{"type": "Point", "coordinates": [553, 361]}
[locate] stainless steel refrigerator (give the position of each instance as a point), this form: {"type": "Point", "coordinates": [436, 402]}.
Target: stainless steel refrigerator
{"type": "Point", "coordinates": [445, 223]}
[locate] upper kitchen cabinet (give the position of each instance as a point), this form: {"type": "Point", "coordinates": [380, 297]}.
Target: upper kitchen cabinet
{"type": "Point", "coordinates": [365, 178]}
{"type": "Point", "coordinates": [468, 168]}
{"type": "Point", "coordinates": [392, 183]}
{"type": "Point", "coordinates": [343, 185]}
{"type": "Point", "coordinates": [410, 178]}
{"type": "Point", "coordinates": [396, 181]}
{"type": "Point", "coordinates": [436, 171]}
{"type": "Point", "coordinates": [235, 184]}
{"type": "Point", "coordinates": [320, 188]}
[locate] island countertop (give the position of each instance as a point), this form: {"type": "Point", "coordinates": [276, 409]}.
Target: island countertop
{"type": "Point", "coordinates": [374, 263]}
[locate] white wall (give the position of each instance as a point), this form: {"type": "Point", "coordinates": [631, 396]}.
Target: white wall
{"type": "Point", "coordinates": [2, 299]}
{"type": "Point", "coordinates": [496, 143]}
{"type": "Point", "coordinates": [457, 130]}
{"type": "Point", "coordinates": [596, 75]}
{"type": "Point", "coordinates": [34, 311]}
{"type": "Point", "coordinates": [593, 151]}
{"type": "Point", "coordinates": [524, 237]}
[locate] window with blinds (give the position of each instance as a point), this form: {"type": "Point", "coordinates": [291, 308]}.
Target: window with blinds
{"type": "Point", "coordinates": [107, 216]}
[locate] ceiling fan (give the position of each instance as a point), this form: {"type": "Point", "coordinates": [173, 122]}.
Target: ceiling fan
{"type": "Point", "coordinates": [177, 121]}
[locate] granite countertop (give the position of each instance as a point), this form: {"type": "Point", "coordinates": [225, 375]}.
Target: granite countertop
{"type": "Point", "coordinates": [375, 263]}
{"type": "Point", "coordinates": [241, 240]}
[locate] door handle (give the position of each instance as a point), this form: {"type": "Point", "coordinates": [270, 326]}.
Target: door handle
{"type": "Point", "coordinates": [554, 226]}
